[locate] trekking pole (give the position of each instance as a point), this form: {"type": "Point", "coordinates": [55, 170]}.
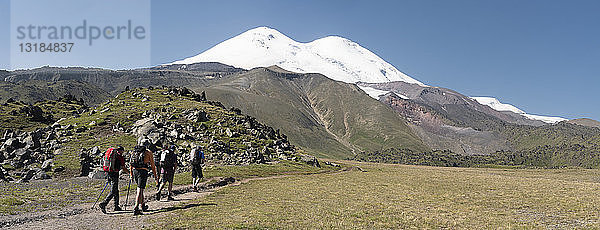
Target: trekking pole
{"type": "Point", "coordinates": [128, 185]}
{"type": "Point", "coordinates": [100, 194]}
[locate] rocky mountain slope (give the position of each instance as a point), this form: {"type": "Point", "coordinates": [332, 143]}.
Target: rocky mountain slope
{"type": "Point", "coordinates": [115, 81]}
{"type": "Point", "coordinates": [31, 91]}
{"type": "Point", "coordinates": [74, 144]}
{"type": "Point", "coordinates": [327, 117]}
{"type": "Point", "coordinates": [278, 98]}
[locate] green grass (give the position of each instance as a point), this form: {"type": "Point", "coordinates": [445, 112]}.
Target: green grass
{"type": "Point", "coordinates": [43, 195]}
{"type": "Point", "coordinates": [398, 197]}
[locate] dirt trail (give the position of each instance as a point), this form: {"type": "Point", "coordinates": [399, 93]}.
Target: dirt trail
{"type": "Point", "coordinates": [82, 217]}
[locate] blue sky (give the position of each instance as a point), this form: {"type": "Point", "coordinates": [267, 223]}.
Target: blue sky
{"type": "Point", "coordinates": [541, 56]}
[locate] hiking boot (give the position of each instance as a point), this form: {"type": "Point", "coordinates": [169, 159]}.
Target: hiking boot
{"type": "Point", "coordinates": [118, 209]}
{"type": "Point", "coordinates": [102, 207]}
{"type": "Point", "coordinates": [145, 208]}
{"type": "Point", "coordinates": [137, 212]}
{"type": "Point", "coordinates": [170, 198]}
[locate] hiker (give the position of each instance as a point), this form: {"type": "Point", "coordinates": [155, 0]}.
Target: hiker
{"type": "Point", "coordinates": [141, 160]}
{"type": "Point", "coordinates": [197, 159]}
{"type": "Point", "coordinates": [113, 162]}
{"type": "Point", "coordinates": [168, 165]}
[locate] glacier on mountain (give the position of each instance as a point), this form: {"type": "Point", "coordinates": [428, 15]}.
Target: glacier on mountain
{"type": "Point", "coordinates": [335, 57]}
{"type": "Point", "coordinates": [499, 106]}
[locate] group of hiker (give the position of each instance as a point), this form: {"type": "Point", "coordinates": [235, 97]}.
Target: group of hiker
{"type": "Point", "coordinates": [163, 164]}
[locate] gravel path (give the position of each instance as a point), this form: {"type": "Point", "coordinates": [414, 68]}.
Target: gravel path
{"type": "Point", "coordinates": [81, 216]}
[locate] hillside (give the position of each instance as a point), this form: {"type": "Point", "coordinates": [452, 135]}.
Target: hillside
{"type": "Point", "coordinates": [585, 122]}
{"type": "Point", "coordinates": [161, 116]}
{"type": "Point", "coordinates": [115, 81]}
{"type": "Point", "coordinates": [31, 91]}
{"type": "Point", "coordinates": [326, 117]}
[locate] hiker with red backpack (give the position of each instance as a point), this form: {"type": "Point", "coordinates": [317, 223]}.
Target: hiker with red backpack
{"type": "Point", "coordinates": [113, 162]}
{"type": "Point", "coordinates": [141, 160]}
{"type": "Point", "coordinates": [168, 165]}
{"type": "Point", "coordinates": [197, 159]}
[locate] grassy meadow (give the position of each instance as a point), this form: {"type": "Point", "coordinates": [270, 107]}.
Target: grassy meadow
{"type": "Point", "coordinates": [399, 196]}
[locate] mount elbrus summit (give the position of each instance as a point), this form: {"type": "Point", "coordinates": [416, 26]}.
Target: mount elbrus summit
{"type": "Point", "coordinates": [329, 98]}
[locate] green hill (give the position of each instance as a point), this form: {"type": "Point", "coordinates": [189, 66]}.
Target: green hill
{"type": "Point", "coordinates": [164, 115]}
{"type": "Point", "coordinates": [326, 117]}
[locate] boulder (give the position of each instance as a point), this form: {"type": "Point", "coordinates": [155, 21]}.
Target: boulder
{"type": "Point", "coordinates": [22, 155]}
{"type": "Point", "coordinates": [144, 126]}
{"type": "Point", "coordinates": [228, 132]}
{"type": "Point", "coordinates": [85, 161]}
{"type": "Point", "coordinates": [47, 165]}
{"type": "Point", "coordinates": [12, 143]}
{"type": "Point", "coordinates": [41, 175]}
{"type": "Point", "coordinates": [2, 174]}
{"type": "Point", "coordinates": [97, 174]}
{"type": "Point", "coordinates": [29, 174]}
{"type": "Point", "coordinates": [310, 160]}
{"type": "Point", "coordinates": [59, 169]}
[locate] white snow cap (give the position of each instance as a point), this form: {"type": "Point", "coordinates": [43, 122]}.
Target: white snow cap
{"type": "Point", "coordinates": [335, 57]}
{"type": "Point", "coordinates": [498, 106]}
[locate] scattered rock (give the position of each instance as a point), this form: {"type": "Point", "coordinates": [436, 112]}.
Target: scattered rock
{"type": "Point", "coordinates": [41, 175]}
{"type": "Point", "coordinates": [310, 160]}
{"type": "Point", "coordinates": [85, 161]}
{"type": "Point", "coordinates": [47, 165]}
{"type": "Point", "coordinates": [97, 174]}
{"type": "Point", "coordinates": [59, 169]}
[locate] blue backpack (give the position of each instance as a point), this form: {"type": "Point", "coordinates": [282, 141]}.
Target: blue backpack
{"type": "Point", "coordinates": [198, 157]}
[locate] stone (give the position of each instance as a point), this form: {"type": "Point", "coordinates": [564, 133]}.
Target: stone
{"type": "Point", "coordinates": [41, 175]}
{"type": "Point", "coordinates": [143, 126]}
{"type": "Point", "coordinates": [47, 165]}
{"type": "Point", "coordinates": [12, 143]}
{"type": "Point", "coordinates": [85, 161]}
{"type": "Point", "coordinates": [310, 160]}
{"type": "Point", "coordinates": [59, 169]}
{"type": "Point", "coordinates": [95, 151]}
{"type": "Point", "coordinates": [22, 154]}
{"type": "Point", "coordinates": [228, 132]}
{"type": "Point", "coordinates": [331, 164]}
{"type": "Point", "coordinates": [29, 175]}
{"type": "Point", "coordinates": [57, 123]}
{"type": "Point", "coordinates": [97, 174]}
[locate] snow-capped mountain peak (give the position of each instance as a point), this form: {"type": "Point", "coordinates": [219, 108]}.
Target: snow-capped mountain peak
{"type": "Point", "coordinates": [335, 57]}
{"type": "Point", "coordinates": [499, 106]}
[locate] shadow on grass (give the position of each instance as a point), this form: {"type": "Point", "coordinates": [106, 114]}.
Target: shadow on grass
{"type": "Point", "coordinates": [187, 206]}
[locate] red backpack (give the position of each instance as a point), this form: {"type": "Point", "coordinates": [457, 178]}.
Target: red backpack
{"type": "Point", "coordinates": [109, 161]}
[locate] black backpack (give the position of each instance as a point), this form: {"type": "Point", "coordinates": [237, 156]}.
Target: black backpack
{"type": "Point", "coordinates": [137, 160]}
{"type": "Point", "coordinates": [168, 159]}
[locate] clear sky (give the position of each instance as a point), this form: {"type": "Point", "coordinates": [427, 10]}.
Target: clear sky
{"type": "Point", "coordinates": [541, 56]}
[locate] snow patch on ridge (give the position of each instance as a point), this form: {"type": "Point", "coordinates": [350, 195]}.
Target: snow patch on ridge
{"type": "Point", "coordinates": [498, 106]}
{"type": "Point", "coordinates": [335, 57]}
{"type": "Point", "coordinates": [376, 93]}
